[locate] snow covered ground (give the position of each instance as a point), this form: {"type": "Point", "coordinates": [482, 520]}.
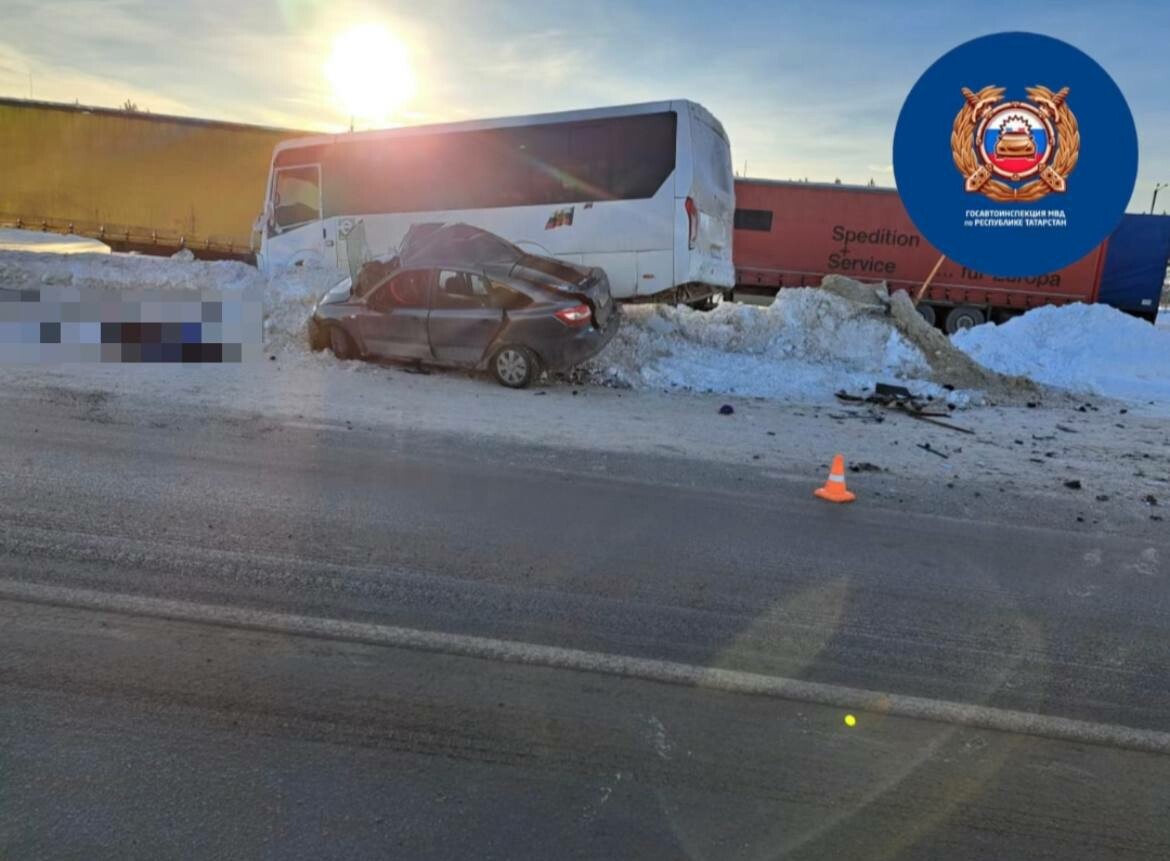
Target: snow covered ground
{"type": "Point", "coordinates": [12, 239]}
{"type": "Point", "coordinates": [809, 344]}
{"type": "Point", "coordinates": [97, 271]}
{"type": "Point", "coordinates": [1088, 349]}
{"type": "Point", "coordinates": [803, 347]}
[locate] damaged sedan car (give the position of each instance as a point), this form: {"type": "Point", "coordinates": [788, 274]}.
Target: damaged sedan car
{"type": "Point", "coordinates": [458, 296]}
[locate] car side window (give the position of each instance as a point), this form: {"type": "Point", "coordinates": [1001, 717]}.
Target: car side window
{"type": "Point", "coordinates": [404, 290]}
{"type": "Point", "coordinates": [462, 290]}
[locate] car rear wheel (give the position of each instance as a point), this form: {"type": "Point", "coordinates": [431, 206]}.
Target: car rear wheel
{"type": "Point", "coordinates": [514, 366]}
{"type": "Point", "coordinates": [341, 343]}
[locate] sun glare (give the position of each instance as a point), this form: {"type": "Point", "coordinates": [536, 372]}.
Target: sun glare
{"type": "Point", "coordinates": [370, 73]}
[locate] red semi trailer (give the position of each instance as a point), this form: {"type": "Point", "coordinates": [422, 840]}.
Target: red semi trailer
{"type": "Point", "coordinates": [792, 234]}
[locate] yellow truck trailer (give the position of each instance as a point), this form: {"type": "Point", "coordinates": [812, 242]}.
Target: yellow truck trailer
{"type": "Point", "coordinates": [135, 180]}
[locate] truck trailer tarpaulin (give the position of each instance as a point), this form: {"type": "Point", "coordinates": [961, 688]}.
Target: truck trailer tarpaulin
{"type": "Point", "coordinates": [135, 180]}
{"type": "Point", "coordinates": [792, 234]}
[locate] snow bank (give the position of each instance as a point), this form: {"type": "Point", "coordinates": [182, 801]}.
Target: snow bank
{"type": "Point", "coordinates": [27, 270]}
{"type": "Point", "coordinates": [803, 347]}
{"type": "Point", "coordinates": [289, 296]}
{"type": "Point", "coordinates": [54, 243]}
{"type": "Point", "coordinates": [1089, 349]}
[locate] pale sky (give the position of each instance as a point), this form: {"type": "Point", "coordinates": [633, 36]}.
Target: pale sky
{"type": "Point", "coordinates": [804, 89]}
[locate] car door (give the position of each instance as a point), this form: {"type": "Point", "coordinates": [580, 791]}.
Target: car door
{"type": "Point", "coordinates": [464, 319]}
{"type": "Point", "coordinates": [394, 323]}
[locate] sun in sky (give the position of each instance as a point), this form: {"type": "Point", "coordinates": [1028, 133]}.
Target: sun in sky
{"type": "Point", "coordinates": [370, 72]}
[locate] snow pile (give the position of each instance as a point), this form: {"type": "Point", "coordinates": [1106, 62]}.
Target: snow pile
{"type": "Point", "coordinates": [1090, 349]}
{"type": "Point", "coordinates": [289, 296]}
{"type": "Point", "coordinates": [56, 243]}
{"type": "Point", "coordinates": [28, 270]}
{"type": "Point", "coordinates": [806, 345]}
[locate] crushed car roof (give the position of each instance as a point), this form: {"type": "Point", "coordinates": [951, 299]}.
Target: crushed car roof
{"type": "Point", "coordinates": [454, 245]}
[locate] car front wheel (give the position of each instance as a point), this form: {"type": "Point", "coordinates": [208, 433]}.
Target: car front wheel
{"type": "Point", "coordinates": [514, 366]}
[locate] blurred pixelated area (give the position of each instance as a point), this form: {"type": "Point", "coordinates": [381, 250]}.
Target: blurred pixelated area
{"type": "Point", "coordinates": [68, 324]}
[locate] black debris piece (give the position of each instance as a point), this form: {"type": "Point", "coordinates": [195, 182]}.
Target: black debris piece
{"type": "Point", "coordinates": [1032, 405]}
{"type": "Point", "coordinates": [1150, 499]}
{"type": "Point", "coordinates": [1073, 484]}
{"type": "Point", "coordinates": [726, 410]}
{"type": "Point", "coordinates": [1066, 429]}
{"type": "Point", "coordinates": [899, 398]}
{"type": "Point", "coordinates": [864, 466]}
{"type": "Point", "coordinates": [1102, 497]}
{"type": "Point", "coordinates": [925, 446]}
{"type": "Point", "coordinates": [892, 391]}
{"type": "Point", "coordinates": [770, 433]}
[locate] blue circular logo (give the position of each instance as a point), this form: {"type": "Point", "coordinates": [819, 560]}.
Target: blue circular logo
{"type": "Point", "coordinates": [1015, 154]}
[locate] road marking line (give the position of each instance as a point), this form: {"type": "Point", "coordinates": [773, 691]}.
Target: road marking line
{"type": "Point", "coordinates": [645, 669]}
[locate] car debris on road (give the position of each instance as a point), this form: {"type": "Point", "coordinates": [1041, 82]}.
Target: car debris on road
{"type": "Point", "coordinates": [900, 398]}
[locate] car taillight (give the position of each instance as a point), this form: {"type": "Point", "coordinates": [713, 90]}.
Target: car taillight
{"type": "Point", "coordinates": [575, 317]}
{"type": "Point", "coordinates": [692, 223]}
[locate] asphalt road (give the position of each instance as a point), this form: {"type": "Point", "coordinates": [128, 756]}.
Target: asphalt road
{"type": "Point", "coordinates": [127, 735]}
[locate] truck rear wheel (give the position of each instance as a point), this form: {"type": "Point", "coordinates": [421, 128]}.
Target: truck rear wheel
{"type": "Point", "coordinates": [964, 317]}
{"type": "Point", "coordinates": [927, 313]}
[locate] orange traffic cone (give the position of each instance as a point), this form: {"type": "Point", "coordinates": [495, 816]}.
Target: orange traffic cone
{"type": "Point", "coordinates": [834, 489]}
